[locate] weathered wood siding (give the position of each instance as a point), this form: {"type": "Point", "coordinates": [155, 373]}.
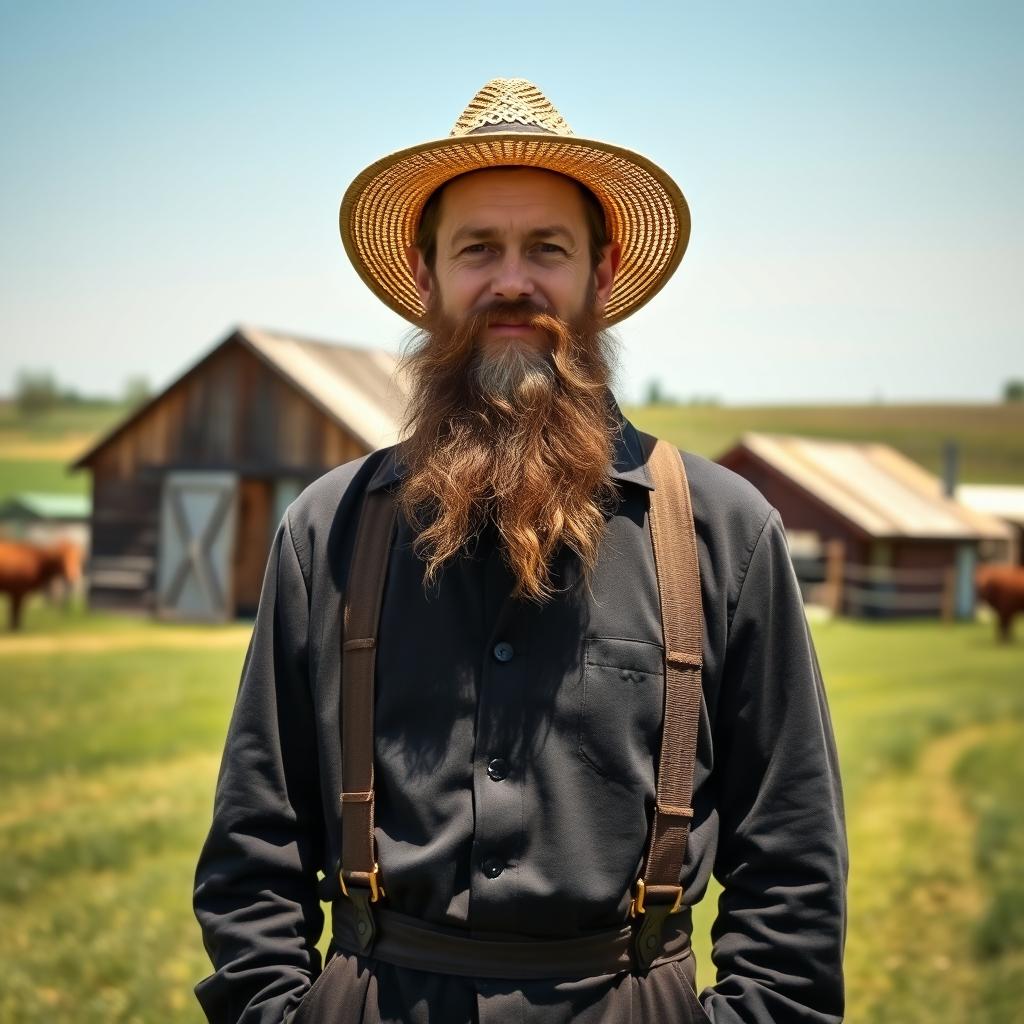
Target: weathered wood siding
{"type": "Point", "coordinates": [255, 501]}
{"type": "Point", "coordinates": [125, 530]}
{"type": "Point", "coordinates": [232, 411]}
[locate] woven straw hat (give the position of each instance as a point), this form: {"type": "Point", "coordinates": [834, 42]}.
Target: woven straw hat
{"type": "Point", "coordinates": [511, 123]}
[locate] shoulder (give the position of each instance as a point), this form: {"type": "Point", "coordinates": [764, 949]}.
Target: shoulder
{"type": "Point", "coordinates": [326, 507]}
{"type": "Point", "coordinates": [731, 519]}
{"type": "Point", "coordinates": [726, 504]}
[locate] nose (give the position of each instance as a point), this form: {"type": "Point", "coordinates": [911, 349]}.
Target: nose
{"type": "Point", "coordinates": [511, 280]}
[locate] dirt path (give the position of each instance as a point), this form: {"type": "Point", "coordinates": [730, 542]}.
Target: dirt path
{"type": "Point", "coordinates": [28, 449]}
{"type": "Point", "coordinates": [101, 643]}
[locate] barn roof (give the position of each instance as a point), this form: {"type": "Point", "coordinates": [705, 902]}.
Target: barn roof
{"type": "Point", "coordinates": [356, 387]}
{"type": "Point", "coordinates": [874, 487]}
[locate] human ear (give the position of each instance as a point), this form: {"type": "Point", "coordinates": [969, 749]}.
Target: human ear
{"type": "Point", "coordinates": [421, 274]}
{"type": "Point", "coordinates": [604, 274]}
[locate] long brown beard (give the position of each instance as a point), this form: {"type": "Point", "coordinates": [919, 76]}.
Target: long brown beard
{"type": "Point", "coordinates": [522, 437]}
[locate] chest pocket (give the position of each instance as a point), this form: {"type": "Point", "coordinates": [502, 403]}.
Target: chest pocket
{"type": "Point", "coordinates": [621, 709]}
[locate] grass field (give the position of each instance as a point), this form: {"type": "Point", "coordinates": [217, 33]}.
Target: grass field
{"type": "Point", "coordinates": [35, 453]}
{"type": "Point", "coordinates": [110, 741]}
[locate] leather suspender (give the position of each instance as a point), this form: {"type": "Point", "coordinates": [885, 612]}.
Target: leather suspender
{"type": "Point", "coordinates": [358, 875]}
{"type": "Point", "coordinates": [658, 892]}
{"type": "Point", "coordinates": [670, 519]}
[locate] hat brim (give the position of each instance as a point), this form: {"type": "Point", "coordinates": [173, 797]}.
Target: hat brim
{"type": "Point", "coordinates": [646, 211]}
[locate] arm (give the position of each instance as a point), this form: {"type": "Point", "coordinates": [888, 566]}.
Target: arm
{"type": "Point", "coordinates": [782, 858]}
{"type": "Point", "coordinates": [255, 886]}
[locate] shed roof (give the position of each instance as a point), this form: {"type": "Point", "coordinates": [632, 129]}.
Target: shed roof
{"type": "Point", "coordinates": [874, 487]}
{"type": "Point", "coordinates": [359, 388]}
{"type": "Point", "coordinates": [1006, 501]}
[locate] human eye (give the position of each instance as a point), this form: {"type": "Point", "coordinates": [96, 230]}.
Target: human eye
{"type": "Point", "coordinates": [473, 250]}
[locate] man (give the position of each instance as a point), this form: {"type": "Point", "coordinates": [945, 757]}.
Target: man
{"type": "Point", "coordinates": [520, 673]}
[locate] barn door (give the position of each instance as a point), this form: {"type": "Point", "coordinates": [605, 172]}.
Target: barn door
{"type": "Point", "coordinates": [197, 536]}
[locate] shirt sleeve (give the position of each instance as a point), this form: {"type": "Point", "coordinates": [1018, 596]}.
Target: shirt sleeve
{"type": "Point", "coordinates": [255, 891]}
{"type": "Point", "coordinates": [782, 856]}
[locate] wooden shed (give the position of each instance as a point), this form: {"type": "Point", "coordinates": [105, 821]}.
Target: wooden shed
{"type": "Point", "coordinates": [871, 531]}
{"type": "Point", "coordinates": [188, 490]}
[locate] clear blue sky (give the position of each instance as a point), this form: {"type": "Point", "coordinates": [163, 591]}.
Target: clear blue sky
{"type": "Point", "coordinates": [854, 172]}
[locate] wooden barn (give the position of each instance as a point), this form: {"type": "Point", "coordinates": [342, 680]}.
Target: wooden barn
{"type": "Point", "coordinates": [871, 532]}
{"type": "Point", "coordinates": [188, 490]}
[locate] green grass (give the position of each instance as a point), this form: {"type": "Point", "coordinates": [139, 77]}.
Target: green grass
{"type": "Point", "coordinates": [992, 778]}
{"type": "Point", "coordinates": [108, 760]}
{"type": "Point", "coordinates": [907, 700]}
{"type": "Point", "coordinates": [107, 764]}
{"type": "Point", "coordinates": [35, 451]}
{"type": "Point", "coordinates": [48, 475]}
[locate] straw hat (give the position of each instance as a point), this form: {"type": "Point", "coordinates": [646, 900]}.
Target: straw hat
{"type": "Point", "coordinates": [511, 123]}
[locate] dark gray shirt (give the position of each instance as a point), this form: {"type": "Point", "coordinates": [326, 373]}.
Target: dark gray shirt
{"type": "Point", "coordinates": [515, 754]}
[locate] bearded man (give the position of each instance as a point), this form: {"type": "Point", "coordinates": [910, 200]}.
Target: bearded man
{"type": "Point", "coordinates": [465, 699]}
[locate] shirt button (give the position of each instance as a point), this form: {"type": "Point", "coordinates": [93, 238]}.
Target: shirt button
{"type": "Point", "coordinates": [498, 769]}
{"type": "Point", "coordinates": [492, 867]}
{"type": "Point", "coordinates": [503, 651]}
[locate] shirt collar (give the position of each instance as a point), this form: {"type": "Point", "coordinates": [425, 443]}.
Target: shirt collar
{"type": "Point", "coordinates": [628, 463]}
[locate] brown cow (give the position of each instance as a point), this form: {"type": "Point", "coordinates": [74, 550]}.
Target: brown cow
{"type": "Point", "coordinates": [1002, 588]}
{"type": "Point", "coordinates": [26, 567]}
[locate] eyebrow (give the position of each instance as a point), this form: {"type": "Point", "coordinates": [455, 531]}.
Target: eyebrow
{"type": "Point", "coordinates": [472, 234]}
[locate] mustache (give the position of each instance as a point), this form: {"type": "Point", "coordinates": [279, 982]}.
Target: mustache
{"type": "Point", "coordinates": [511, 311]}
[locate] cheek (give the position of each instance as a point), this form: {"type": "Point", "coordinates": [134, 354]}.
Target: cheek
{"type": "Point", "coordinates": [567, 290]}
{"type": "Point", "coordinates": [460, 289]}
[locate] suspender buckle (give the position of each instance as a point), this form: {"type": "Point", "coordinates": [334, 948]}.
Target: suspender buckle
{"type": "Point", "coordinates": [647, 935]}
{"type": "Point", "coordinates": [362, 899]}
{"type": "Point", "coordinates": [376, 889]}
{"type": "Point", "coordinates": [636, 904]}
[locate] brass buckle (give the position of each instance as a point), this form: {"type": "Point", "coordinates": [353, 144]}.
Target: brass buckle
{"type": "Point", "coordinates": [636, 904]}
{"type": "Point", "coordinates": [376, 889]}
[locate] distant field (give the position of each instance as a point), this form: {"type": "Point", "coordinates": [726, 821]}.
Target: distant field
{"type": "Point", "coordinates": [85, 420]}
{"type": "Point", "coordinates": [40, 475]}
{"type": "Point", "coordinates": [34, 455]}
{"type": "Point", "coordinates": [990, 437]}
{"type": "Point", "coordinates": [110, 741]}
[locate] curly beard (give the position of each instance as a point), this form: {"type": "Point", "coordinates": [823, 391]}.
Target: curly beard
{"type": "Point", "coordinates": [519, 436]}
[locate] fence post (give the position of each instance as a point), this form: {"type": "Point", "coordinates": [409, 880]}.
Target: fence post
{"type": "Point", "coordinates": [948, 595]}
{"type": "Point", "coordinates": [835, 557]}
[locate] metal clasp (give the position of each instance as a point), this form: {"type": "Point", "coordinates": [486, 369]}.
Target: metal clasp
{"type": "Point", "coordinates": [376, 889]}
{"type": "Point", "coordinates": [636, 904]}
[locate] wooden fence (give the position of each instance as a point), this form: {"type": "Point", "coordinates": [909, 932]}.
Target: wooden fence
{"type": "Point", "coordinates": [874, 590]}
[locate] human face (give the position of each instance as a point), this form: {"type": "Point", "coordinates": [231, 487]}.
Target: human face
{"type": "Point", "coordinates": [513, 235]}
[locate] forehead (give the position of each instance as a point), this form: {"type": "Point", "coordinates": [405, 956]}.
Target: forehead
{"type": "Point", "coordinates": [510, 194]}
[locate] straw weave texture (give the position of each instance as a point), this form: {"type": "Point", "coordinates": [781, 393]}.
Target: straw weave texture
{"type": "Point", "coordinates": [644, 208]}
{"type": "Point", "coordinates": [510, 101]}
